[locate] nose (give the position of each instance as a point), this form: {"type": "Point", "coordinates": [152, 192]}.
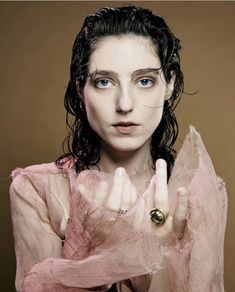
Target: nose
{"type": "Point", "coordinates": [125, 101]}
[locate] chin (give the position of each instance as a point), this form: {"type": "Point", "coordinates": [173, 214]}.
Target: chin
{"type": "Point", "coordinates": [128, 145]}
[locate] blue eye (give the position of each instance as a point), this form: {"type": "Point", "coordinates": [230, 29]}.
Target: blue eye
{"type": "Point", "coordinates": [145, 82]}
{"type": "Point", "coordinates": [103, 83]}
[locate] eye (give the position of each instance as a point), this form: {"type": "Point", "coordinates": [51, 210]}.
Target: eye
{"type": "Point", "coordinates": [145, 82]}
{"type": "Point", "coordinates": [103, 83]}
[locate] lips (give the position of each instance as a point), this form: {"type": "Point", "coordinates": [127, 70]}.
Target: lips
{"type": "Point", "coordinates": [126, 128]}
{"type": "Point", "coordinates": [124, 124]}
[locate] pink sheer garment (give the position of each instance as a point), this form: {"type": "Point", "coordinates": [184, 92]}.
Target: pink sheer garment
{"type": "Point", "coordinates": [65, 241]}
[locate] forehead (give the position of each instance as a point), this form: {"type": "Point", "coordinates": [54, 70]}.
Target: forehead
{"type": "Point", "coordinates": [124, 54]}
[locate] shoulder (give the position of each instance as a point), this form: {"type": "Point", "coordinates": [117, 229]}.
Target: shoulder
{"type": "Point", "coordinates": [43, 169]}
{"type": "Point", "coordinates": [43, 178]}
{"type": "Point", "coordinates": [41, 193]}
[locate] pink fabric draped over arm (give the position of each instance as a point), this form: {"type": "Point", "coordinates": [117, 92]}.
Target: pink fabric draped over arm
{"type": "Point", "coordinates": [101, 248]}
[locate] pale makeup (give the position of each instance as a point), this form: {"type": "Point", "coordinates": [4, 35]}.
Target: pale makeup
{"type": "Point", "coordinates": [124, 96]}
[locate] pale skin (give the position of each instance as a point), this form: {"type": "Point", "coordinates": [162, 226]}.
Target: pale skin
{"type": "Point", "coordinates": [124, 86]}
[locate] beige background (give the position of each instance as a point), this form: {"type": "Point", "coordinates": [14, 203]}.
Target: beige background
{"type": "Point", "coordinates": [36, 40]}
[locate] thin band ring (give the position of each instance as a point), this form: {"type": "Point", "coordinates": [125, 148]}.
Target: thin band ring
{"type": "Point", "coordinates": [122, 212]}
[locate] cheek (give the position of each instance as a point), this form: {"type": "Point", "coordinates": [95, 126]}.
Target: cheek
{"type": "Point", "coordinates": [91, 115]}
{"type": "Point", "coordinates": [90, 104]}
{"type": "Point", "coordinates": [154, 100]}
{"type": "Point", "coordinates": [154, 118]}
{"type": "Point", "coordinates": [94, 114]}
{"type": "Point", "coordinates": [89, 108]}
{"type": "Point", "coordinates": [155, 106]}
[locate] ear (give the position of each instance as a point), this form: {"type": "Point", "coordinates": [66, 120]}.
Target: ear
{"type": "Point", "coordinates": [170, 86]}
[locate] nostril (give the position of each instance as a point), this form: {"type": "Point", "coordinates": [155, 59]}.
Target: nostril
{"type": "Point", "coordinates": [124, 110]}
{"type": "Point", "coordinates": [125, 104]}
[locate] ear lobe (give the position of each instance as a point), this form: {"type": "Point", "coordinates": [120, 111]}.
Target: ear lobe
{"type": "Point", "coordinates": [170, 86]}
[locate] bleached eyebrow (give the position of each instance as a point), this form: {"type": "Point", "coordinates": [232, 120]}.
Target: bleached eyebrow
{"type": "Point", "coordinates": [114, 74]}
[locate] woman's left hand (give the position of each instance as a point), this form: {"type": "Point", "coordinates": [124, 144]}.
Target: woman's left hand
{"type": "Point", "coordinates": [156, 197]}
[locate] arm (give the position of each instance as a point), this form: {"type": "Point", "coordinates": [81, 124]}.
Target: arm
{"type": "Point", "coordinates": [38, 246]}
{"type": "Point", "coordinates": [35, 239]}
{"type": "Point", "coordinates": [196, 264]}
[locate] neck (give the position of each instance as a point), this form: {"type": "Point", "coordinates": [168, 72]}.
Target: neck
{"type": "Point", "coordinates": [134, 162]}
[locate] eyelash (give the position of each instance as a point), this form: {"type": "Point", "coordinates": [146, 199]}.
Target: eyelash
{"type": "Point", "coordinates": [148, 79]}
{"type": "Point", "coordinates": [96, 82]}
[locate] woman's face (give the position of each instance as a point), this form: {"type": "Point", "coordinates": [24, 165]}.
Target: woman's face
{"type": "Point", "coordinates": [124, 95]}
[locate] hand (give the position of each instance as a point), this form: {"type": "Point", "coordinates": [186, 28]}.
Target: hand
{"type": "Point", "coordinates": [115, 194]}
{"type": "Point", "coordinates": [123, 194]}
{"type": "Point", "coordinates": [156, 196]}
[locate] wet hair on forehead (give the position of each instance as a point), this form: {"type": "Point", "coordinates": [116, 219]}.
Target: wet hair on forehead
{"type": "Point", "coordinates": [82, 143]}
{"type": "Point", "coordinates": [149, 45]}
{"type": "Point", "coordinates": [122, 21]}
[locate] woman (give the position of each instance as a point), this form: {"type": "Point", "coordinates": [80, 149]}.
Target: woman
{"type": "Point", "coordinates": [103, 218]}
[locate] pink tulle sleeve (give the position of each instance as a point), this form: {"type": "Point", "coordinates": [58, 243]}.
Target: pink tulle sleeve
{"type": "Point", "coordinates": [35, 238]}
{"type": "Point", "coordinates": [102, 248]}
{"type": "Point", "coordinates": [196, 264]}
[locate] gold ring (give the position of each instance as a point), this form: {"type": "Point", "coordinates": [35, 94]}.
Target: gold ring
{"type": "Point", "coordinates": [158, 216]}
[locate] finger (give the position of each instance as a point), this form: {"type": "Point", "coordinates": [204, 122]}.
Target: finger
{"type": "Point", "coordinates": [150, 195]}
{"type": "Point", "coordinates": [115, 198]}
{"type": "Point", "coordinates": [126, 201]}
{"type": "Point", "coordinates": [141, 210]}
{"type": "Point", "coordinates": [181, 211]}
{"type": "Point", "coordinates": [133, 194]}
{"type": "Point", "coordinates": [161, 190]}
{"type": "Point", "coordinates": [138, 214]}
{"type": "Point", "coordinates": [101, 193]}
{"type": "Point", "coordinates": [84, 192]}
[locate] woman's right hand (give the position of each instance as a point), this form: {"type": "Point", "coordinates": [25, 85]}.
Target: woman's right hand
{"type": "Point", "coordinates": [109, 199]}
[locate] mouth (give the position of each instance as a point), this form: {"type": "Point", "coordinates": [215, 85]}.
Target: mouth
{"type": "Point", "coordinates": [125, 124]}
{"type": "Point", "coordinates": [126, 128]}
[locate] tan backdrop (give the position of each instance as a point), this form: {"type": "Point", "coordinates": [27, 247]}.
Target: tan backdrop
{"type": "Point", "coordinates": [36, 40]}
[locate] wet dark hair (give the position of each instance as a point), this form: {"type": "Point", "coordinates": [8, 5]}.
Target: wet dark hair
{"type": "Point", "coordinates": [83, 144]}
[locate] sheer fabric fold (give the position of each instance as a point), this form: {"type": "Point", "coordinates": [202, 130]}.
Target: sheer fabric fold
{"type": "Point", "coordinates": [66, 241]}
